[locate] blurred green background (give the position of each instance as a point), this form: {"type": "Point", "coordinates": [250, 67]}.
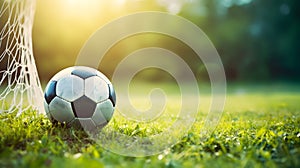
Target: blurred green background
{"type": "Point", "coordinates": [256, 39]}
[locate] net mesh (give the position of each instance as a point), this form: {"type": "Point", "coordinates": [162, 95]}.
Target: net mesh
{"type": "Point", "coordinates": [20, 88]}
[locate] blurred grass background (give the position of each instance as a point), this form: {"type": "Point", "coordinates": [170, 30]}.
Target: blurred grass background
{"type": "Point", "coordinates": [257, 40]}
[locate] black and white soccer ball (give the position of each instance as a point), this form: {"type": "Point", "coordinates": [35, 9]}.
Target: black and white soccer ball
{"type": "Point", "coordinates": [80, 96]}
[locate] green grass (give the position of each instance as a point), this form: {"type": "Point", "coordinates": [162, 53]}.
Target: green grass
{"type": "Point", "coordinates": [260, 127]}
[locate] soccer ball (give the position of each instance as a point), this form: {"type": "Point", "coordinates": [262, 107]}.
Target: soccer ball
{"type": "Point", "coordinates": [80, 96]}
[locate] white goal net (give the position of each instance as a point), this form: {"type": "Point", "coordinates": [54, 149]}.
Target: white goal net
{"type": "Point", "coordinates": [20, 88]}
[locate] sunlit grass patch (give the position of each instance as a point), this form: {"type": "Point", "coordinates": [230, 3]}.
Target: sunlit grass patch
{"type": "Point", "coordinates": [257, 129]}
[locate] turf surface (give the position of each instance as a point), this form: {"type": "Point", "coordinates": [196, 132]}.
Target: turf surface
{"type": "Point", "coordinates": [260, 127]}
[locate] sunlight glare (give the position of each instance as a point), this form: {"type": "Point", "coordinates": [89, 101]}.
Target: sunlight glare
{"type": "Point", "coordinates": [119, 2]}
{"type": "Point", "coordinates": [172, 6]}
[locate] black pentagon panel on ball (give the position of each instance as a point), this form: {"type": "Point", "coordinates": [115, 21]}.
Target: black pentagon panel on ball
{"type": "Point", "coordinates": [112, 94]}
{"type": "Point", "coordinates": [83, 107]}
{"type": "Point", "coordinates": [50, 91]}
{"type": "Point", "coordinates": [83, 73]}
{"type": "Point", "coordinates": [85, 124]}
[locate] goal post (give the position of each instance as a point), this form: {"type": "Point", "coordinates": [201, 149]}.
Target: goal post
{"type": "Point", "coordinates": [20, 87]}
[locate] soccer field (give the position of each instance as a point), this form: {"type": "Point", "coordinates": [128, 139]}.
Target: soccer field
{"type": "Point", "coordinates": [260, 127]}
